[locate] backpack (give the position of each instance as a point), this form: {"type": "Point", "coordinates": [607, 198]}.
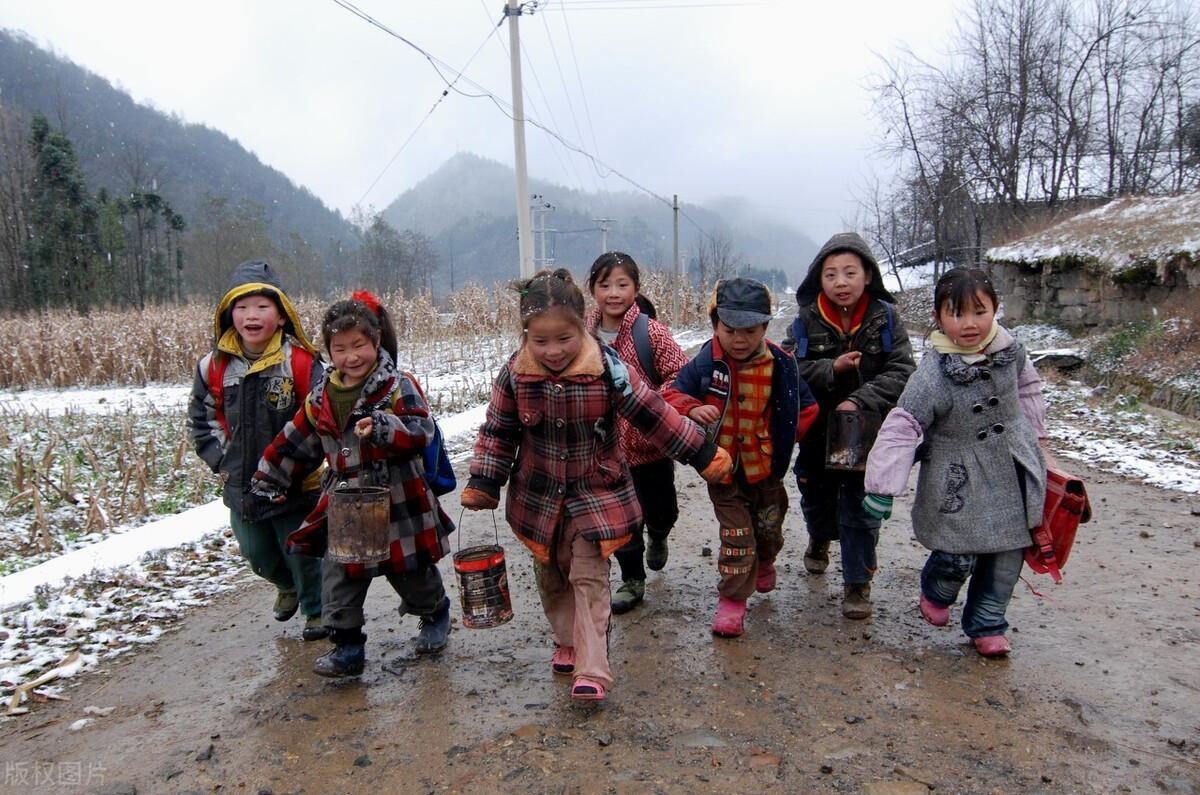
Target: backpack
{"type": "Point", "coordinates": [439, 474]}
{"type": "Point", "coordinates": [800, 332]}
{"type": "Point", "coordinates": [645, 354]}
{"type": "Point", "coordinates": [1066, 506]}
{"type": "Point", "coordinates": [302, 362]}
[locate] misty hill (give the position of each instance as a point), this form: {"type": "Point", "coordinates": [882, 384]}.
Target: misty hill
{"type": "Point", "coordinates": [122, 145]}
{"type": "Point", "coordinates": [467, 207]}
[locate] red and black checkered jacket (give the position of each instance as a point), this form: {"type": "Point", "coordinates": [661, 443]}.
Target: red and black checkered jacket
{"type": "Point", "coordinates": [553, 435]}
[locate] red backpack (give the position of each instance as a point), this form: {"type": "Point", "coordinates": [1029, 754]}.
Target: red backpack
{"type": "Point", "coordinates": [1066, 507]}
{"type": "Point", "coordinates": [302, 362]}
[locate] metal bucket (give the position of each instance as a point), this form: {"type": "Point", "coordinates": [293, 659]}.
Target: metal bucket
{"type": "Point", "coordinates": [359, 524]}
{"type": "Point", "coordinates": [848, 439]}
{"type": "Point", "coordinates": [483, 586]}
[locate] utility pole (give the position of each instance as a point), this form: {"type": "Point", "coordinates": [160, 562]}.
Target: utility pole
{"type": "Point", "coordinates": [675, 256]}
{"type": "Point", "coordinates": [603, 223]}
{"type": "Point", "coordinates": [539, 207]}
{"type": "Point", "coordinates": [513, 10]}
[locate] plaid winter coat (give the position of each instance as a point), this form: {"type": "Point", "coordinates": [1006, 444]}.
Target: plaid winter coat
{"type": "Point", "coordinates": [391, 456]}
{"type": "Point", "coordinates": [668, 358]}
{"type": "Point", "coordinates": [553, 434]}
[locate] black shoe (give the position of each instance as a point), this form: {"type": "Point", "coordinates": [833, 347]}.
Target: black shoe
{"type": "Point", "coordinates": [816, 557]}
{"type": "Point", "coordinates": [656, 553]}
{"type": "Point", "coordinates": [314, 629]}
{"type": "Point", "coordinates": [346, 660]}
{"type": "Point", "coordinates": [286, 605]}
{"type": "Point", "coordinates": [435, 628]}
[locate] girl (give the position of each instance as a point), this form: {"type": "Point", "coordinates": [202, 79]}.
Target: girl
{"type": "Point", "coordinates": [571, 500]}
{"type": "Point", "coordinates": [371, 424]}
{"type": "Point", "coordinates": [618, 321]}
{"type": "Point", "coordinates": [975, 404]}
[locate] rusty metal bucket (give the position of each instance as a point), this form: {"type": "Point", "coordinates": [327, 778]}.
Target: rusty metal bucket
{"type": "Point", "coordinates": [483, 583]}
{"type": "Point", "coordinates": [848, 439]}
{"type": "Point", "coordinates": [359, 524]}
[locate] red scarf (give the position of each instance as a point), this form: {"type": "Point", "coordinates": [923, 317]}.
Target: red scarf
{"type": "Point", "coordinates": [832, 315]}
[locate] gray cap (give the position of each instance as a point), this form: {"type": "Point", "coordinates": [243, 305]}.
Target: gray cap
{"type": "Point", "coordinates": [742, 303]}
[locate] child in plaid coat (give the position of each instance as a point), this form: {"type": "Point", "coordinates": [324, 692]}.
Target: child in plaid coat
{"type": "Point", "coordinates": [551, 427]}
{"type": "Point", "coordinates": [371, 424]}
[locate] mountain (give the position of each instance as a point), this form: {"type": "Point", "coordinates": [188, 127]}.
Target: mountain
{"type": "Point", "coordinates": [467, 207]}
{"type": "Point", "coordinates": [122, 144]}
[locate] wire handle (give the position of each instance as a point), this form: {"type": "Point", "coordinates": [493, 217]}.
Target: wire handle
{"type": "Point", "coordinates": [495, 527]}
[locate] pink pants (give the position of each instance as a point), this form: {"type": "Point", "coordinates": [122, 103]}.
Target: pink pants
{"type": "Point", "coordinates": [578, 607]}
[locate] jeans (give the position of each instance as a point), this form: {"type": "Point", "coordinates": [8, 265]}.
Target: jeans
{"type": "Point", "coordinates": [263, 545]}
{"type": "Point", "coordinates": [832, 507]}
{"type": "Point", "coordinates": [993, 577]}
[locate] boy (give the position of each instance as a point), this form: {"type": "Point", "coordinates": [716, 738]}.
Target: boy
{"type": "Point", "coordinates": [750, 393]}
{"type": "Point", "coordinates": [855, 355]}
{"type": "Point", "coordinates": [245, 391]}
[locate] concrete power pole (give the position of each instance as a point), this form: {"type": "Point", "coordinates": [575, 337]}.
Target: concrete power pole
{"type": "Point", "coordinates": [675, 256]}
{"type": "Point", "coordinates": [603, 223]}
{"type": "Point", "coordinates": [512, 10]}
{"type": "Point", "coordinates": [539, 207]}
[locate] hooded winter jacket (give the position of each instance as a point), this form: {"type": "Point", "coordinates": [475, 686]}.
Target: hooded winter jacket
{"type": "Point", "coordinates": [258, 397]}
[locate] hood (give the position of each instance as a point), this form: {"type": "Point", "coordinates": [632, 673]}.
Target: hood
{"type": "Point", "coordinates": [251, 277]}
{"type": "Point", "coordinates": [808, 290]}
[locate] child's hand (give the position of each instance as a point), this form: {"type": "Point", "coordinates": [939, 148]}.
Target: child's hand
{"type": "Point", "coordinates": [363, 428]}
{"type": "Point", "coordinates": [847, 362]}
{"type": "Point", "coordinates": [847, 405]}
{"type": "Point", "coordinates": [705, 415]}
{"type": "Point", "coordinates": [478, 500]}
{"type": "Point", "coordinates": [266, 490]}
{"type": "Point", "coordinates": [719, 468]}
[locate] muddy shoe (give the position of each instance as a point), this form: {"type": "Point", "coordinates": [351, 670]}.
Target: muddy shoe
{"type": "Point", "coordinates": [728, 620]}
{"type": "Point", "coordinates": [765, 581]}
{"type": "Point", "coordinates": [286, 605]}
{"type": "Point", "coordinates": [347, 660]}
{"type": "Point", "coordinates": [435, 628]}
{"type": "Point", "coordinates": [628, 596]}
{"type": "Point", "coordinates": [816, 557]}
{"type": "Point", "coordinates": [656, 553]}
{"type": "Point", "coordinates": [563, 661]}
{"type": "Point", "coordinates": [314, 629]}
{"type": "Point", "coordinates": [934, 613]}
{"type": "Point", "coordinates": [857, 602]}
{"type": "Point", "coordinates": [992, 646]}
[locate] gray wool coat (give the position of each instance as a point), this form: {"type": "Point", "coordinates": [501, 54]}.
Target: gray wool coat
{"type": "Point", "coordinates": [983, 477]}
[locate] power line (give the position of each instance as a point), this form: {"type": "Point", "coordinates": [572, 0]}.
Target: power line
{"type": "Point", "coordinates": [566, 92]}
{"type": "Point", "coordinates": [582, 93]}
{"type": "Point", "coordinates": [549, 110]}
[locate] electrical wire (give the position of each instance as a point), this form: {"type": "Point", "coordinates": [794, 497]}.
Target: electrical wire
{"type": "Point", "coordinates": [582, 93]}
{"type": "Point", "coordinates": [566, 92]}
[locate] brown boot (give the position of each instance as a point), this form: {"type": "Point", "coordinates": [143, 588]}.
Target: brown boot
{"type": "Point", "coordinates": [816, 557]}
{"type": "Point", "coordinates": [856, 603]}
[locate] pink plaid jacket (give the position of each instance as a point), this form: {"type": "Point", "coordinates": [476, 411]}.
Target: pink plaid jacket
{"type": "Point", "coordinates": [552, 435]}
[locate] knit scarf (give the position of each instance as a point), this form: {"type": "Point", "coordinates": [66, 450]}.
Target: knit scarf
{"type": "Point", "coordinates": [943, 344]}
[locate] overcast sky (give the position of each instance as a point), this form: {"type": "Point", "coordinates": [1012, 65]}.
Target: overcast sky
{"type": "Point", "coordinates": [763, 100]}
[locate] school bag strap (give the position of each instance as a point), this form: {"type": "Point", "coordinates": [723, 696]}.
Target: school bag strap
{"type": "Point", "coordinates": [645, 352]}
{"type": "Point", "coordinates": [218, 363]}
{"type": "Point", "coordinates": [439, 473]}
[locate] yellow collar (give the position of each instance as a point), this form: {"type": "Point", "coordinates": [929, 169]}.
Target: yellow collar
{"type": "Point", "coordinates": [231, 344]}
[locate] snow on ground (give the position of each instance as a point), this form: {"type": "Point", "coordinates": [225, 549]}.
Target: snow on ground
{"type": "Point", "coordinates": [106, 400]}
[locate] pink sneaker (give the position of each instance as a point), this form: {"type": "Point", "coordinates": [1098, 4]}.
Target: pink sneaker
{"type": "Point", "coordinates": [563, 661]}
{"type": "Point", "coordinates": [938, 616]}
{"type": "Point", "coordinates": [766, 577]}
{"type": "Point", "coordinates": [727, 622]}
{"type": "Point", "coordinates": [992, 646]}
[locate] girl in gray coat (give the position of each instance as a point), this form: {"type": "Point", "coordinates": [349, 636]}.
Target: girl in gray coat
{"type": "Point", "coordinates": [974, 407]}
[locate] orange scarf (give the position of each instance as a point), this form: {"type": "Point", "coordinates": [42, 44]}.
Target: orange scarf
{"type": "Point", "coordinates": [832, 315]}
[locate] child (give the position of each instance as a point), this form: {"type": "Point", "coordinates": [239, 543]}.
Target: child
{"type": "Point", "coordinates": [749, 390]}
{"type": "Point", "coordinates": [371, 423]}
{"type": "Point", "coordinates": [975, 404]}
{"type": "Point", "coordinates": [855, 356]}
{"type": "Point", "coordinates": [624, 319]}
{"type": "Point", "coordinates": [571, 499]}
{"type": "Point", "coordinates": [244, 392]}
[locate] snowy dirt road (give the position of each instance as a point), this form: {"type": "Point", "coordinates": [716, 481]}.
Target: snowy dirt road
{"type": "Point", "coordinates": [1100, 695]}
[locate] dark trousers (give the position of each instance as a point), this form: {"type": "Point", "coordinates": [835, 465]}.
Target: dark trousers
{"type": "Point", "coordinates": [421, 592]}
{"type": "Point", "coordinates": [654, 483]}
{"type": "Point", "coordinates": [832, 507]}
{"type": "Point", "coordinates": [263, 545]}
{"type": "Point", "coordinates": [993, 577]}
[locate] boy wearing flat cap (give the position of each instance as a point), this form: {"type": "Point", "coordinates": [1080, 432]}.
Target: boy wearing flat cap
{"type": "Point", "coordinates": [749, 393]}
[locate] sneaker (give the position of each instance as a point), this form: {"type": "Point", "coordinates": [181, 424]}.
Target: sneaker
{"type": "Point", "coordinates": [856, 603]}
{"type": "Point", "coordinates": [286, 605]}
{"type": "Point", "coordinates": [765, 582]}
{"type": "Point", "coordinates": [656, 553]}
{"type": "Point", "coordinates": [435, 629]}
{"type": "Point", "coordinates": [563, 661]}
{"type": "Point", "coordinates": [728, 620]}
{"type": "Point", "coordinates": [628, 596]}
{"type": "Point", "coordinates": [992, 646]}
{"type": "Point", "coordinates": [933, 613]}
{"type": "Point", "coordinates": [314, 629]}
{"type": "Point", "coordinates": [346, 660]}
{"type": "Point", "coordinates": [816, 557]}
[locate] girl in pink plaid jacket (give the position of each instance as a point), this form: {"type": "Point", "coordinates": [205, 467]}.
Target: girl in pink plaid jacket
{"type": "Point", "coordinates": [550, 426]}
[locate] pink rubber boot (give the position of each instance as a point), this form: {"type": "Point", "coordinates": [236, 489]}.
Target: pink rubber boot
{"type": "Point", "coordinates": [727, 622]}
{"type": "Point", "coordinates": [992, 646]}
{"type": "Point", "coordinates": [766, 577]}
{"type": "Point", "coordinates": [938, 616]}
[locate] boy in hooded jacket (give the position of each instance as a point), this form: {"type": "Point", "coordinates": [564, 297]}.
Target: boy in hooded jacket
{"type": "Point", "coordinates": [855, 355]}
{"type": "Point", "coordinates": [245, 390]}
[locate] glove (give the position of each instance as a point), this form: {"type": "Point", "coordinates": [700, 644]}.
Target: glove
{"type": "Point", "coordinates": [478, 500]}
{"type": "Point", "coordinates": [878, 505]}
{"type": "Point", "coordinates": [719, 468]}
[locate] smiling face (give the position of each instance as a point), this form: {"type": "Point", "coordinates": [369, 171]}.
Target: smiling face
{"type": "Point", "coordinates": [740, 343]}
{"type": "Point", "coordinates": [614, 295]}
{"type": "Point", "coordinates": [844, 279]}
{"type": "Point", "coordinates": [967, 326]}
{"type": "Point", "coordinates": [554, 339]}
{"type": "Point", "coordinates": [256, 318]}
{"type": "Point", "coordinates": [354, 354]}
